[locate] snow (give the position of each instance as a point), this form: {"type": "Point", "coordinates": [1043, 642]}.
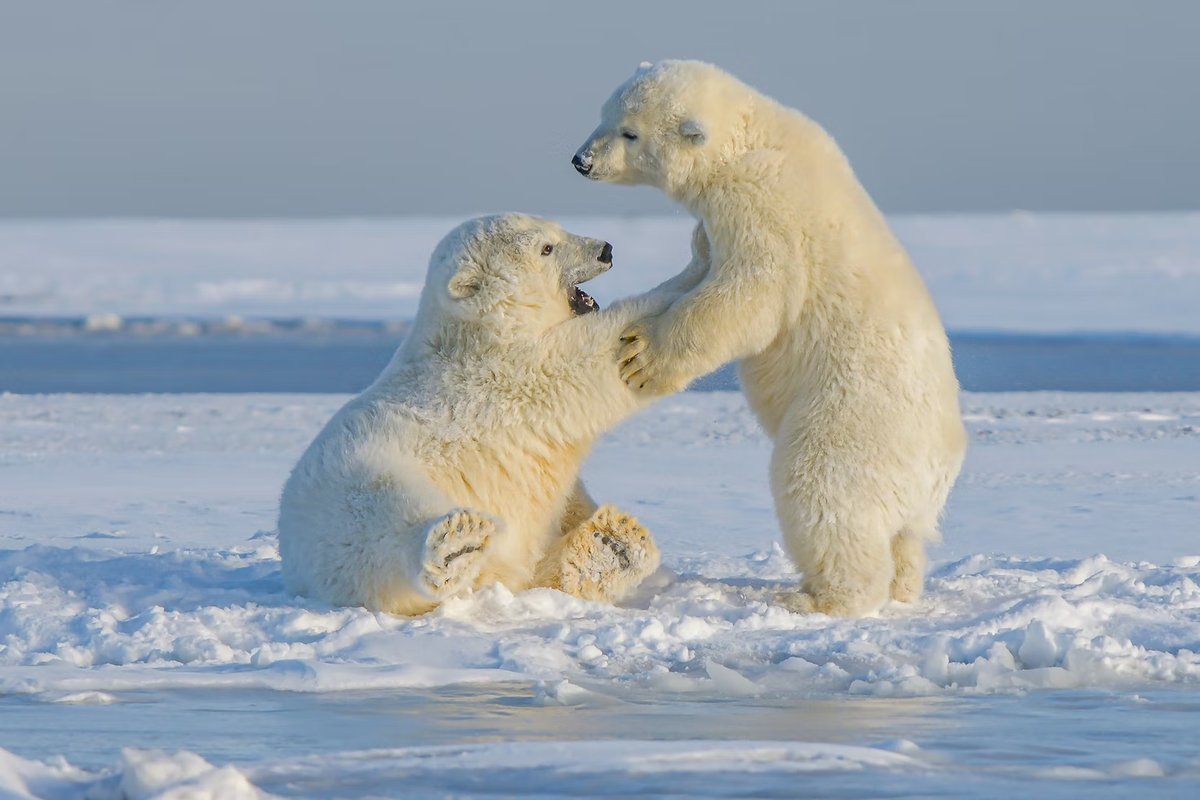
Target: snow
{"type": "Point", "coordinates": [147, 648]}
{"type": "Point", "coordinates": [1014, 272]}
{"type": "Point", "coordinates": [591, 768]}
{"type": "Point", "coordinates": [653, 767]}
{"type": "Point", "coordinates": [138, 556]}
{"type": "Point", "coordinates": [141, 775]}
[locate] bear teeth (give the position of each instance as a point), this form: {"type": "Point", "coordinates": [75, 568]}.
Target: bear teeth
{"type": "Point", "coordinates": [581, 302]}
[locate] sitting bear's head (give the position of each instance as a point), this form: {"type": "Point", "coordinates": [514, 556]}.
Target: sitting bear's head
{"type": "Point", "coordinates": [666, 126]}
{"type": "Point", "coordinates": [513, 273]}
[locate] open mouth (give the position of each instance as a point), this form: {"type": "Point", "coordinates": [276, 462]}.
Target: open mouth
{"type": "Point", "coordinates": [581, 302]}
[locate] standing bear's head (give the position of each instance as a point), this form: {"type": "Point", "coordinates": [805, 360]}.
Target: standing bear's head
{"type": "Point", "coordinates": [667, 126]}
{"type": "Point", "coordinates": [512, 274]}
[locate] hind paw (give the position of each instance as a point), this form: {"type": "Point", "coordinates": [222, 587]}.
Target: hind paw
{"type": "Point", "coordinates": [455, 548]}
{"type": "Point", "coordinates": [607, 556]}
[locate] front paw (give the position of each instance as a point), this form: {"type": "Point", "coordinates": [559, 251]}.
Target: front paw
{"type": "Point", "coordinates": [644, 366]}
{"type": "Point", "coordinates": [630, 358]}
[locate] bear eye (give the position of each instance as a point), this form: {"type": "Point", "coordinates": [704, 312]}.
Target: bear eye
{"type": "Point", "coordinates": [630, 135]}
{"type": "Point", "coordinates": [547, 249]}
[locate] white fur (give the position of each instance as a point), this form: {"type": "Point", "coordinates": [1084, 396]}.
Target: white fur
{"type": "Point", "coordinates": [843, 356]}
{"type": "Point", "coordinates": [458, 466]}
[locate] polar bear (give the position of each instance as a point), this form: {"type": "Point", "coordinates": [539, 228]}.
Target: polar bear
{"type": "Point", "coordinates": [843, 357]}
{"type": "Point", "coordinates": [458, 466]}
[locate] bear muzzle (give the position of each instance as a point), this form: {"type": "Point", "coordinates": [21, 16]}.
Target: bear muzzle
{"type": "Point", "coordinates": [582, 162]}
{"type": "Point", "coordinates": [581, 302]}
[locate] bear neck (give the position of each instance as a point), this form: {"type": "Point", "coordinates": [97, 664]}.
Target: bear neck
{"type": "Point", "coordinates": [768, 139]}
{"type": "Point", "coordinates": [451, 340]}
{"type": "Point", "coordinates": [746, 134]}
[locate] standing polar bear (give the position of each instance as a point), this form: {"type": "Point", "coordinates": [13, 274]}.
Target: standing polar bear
{"type": "Point", "coordinates": [843, 357]}
{"type": "Point", "coordinates": [459, 466]}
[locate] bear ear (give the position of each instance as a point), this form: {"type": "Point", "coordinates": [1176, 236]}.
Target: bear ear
{"type": "Point", "coordinates": [645, 65]}
{"type": "Point", "coordinates": [466, 280]}
{"type": "Point", "coordinates": [692, 130]}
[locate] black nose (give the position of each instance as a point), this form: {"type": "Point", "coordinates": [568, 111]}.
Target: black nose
{"type": "Point", "coordinates": [584, 167]}
{"type": "Point", "coordinates": [606, 254]}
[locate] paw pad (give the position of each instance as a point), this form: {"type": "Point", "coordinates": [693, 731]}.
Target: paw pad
{"type": "Point", "coordinates": [454, 552]}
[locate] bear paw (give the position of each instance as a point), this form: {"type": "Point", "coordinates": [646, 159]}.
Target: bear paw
{"type": "Point", "coordinates": [908, 561]}
{"type": "Point", "coordinates": [797, 602]}
{"type": "Point", "coordinates": [907, 586]}
{"type": "Point", "coordinates": [832, 602]}
{"type": "Point", "coordinates": [455, 547]}
{"type": "Point", "coordinates": [607, 556]}
{"type": "Point", "coordinates": [644, 365]}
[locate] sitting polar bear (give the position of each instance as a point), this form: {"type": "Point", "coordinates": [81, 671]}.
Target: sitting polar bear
{"type": "Point", "coordinates": [458, 466]}
{"type": "Point", "coordinates": [843, 357]}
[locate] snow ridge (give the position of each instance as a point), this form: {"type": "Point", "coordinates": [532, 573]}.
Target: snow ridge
{"type": "Point", "coordinates": [76, 625]}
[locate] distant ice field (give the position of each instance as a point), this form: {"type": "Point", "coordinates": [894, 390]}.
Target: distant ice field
{"type": "Point", "coordinates": [1033, 302]}
{"type": "Point", "coordinates": [1033, 273]}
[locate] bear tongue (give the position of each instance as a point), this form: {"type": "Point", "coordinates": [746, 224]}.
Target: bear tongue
{"type": "Point", "coordinates": [581, 302]}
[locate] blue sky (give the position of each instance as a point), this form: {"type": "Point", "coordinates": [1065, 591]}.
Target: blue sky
{"type": "Point", "coordinates": [296, 108]}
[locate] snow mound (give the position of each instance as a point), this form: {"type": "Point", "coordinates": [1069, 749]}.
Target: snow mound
{"type": "Point", "coordinates": [554, 768]}
{"type": "Point", "coordinates": [141, 775]}
{"type": "Point", "coordinates": [625, 768]}
{"type": "Point", "coordinates": [76, 624]}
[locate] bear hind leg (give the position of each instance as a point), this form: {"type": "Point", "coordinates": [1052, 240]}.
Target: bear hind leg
{"type": "Point", "coordinates": [846, 573]}
{"type": "Point", "coordinates": [908, 559]}
{"type": "Point", "coordinates": [831, 502]}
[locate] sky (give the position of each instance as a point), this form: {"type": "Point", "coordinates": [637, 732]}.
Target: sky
{"type": "Point", "coordinates": [292, 108]}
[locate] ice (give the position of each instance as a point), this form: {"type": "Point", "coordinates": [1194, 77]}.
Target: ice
{"type": "Point", "coordinates": [136, 557]}
{"type": "Point", "coordinates": [146, 774]}
{"type": "Point", "coordinates": [145, 635]}
{"type": "Point", "coordinates": [626, 768]}
{"type": "Point", "coordinates": [140, 775]}
{"type": "Point", "coordinates": [549, 769]}
{"type": "Point", "coordinates": [80, 622]}
{"type": "Point", "coordinates": [998, 272]}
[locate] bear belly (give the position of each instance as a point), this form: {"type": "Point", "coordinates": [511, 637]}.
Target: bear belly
{"type": "Point", "coordinates": [774, 378]}
{"type": "Point", "coordinates": [526, 488]}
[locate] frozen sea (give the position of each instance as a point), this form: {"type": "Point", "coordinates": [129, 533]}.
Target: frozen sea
{"type": "Point", "coordinates": [160, 378]}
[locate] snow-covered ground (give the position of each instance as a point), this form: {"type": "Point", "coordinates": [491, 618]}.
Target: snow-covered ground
{"type": "Point", "coordinates": [1015, 272]}
{"type": "Point", "coordinates": [1056, 654]}
{"type": "Point", "coordinates": [1059, 641]}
